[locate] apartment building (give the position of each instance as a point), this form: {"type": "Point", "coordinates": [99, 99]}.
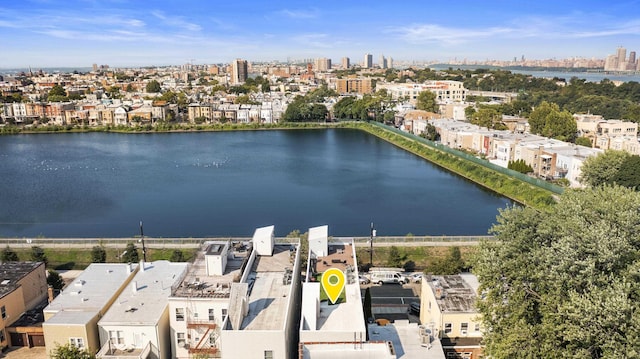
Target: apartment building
{"type": "Point", "coordinates": [328, 326]}
{"type": "Point", "coordinates": [354, 85]}
{"type": "Point", "coordinates": [23, 286]}
{"type": "Point", "coordinates": [72, 317]}
{"type": "Point", "coordinates": [264, 311]}
{"type": "Point", "coordinates": [199, 304]}
{"type": "Point", "coordinates": [445, 91]}
{"type": "Point", "coordinates": [137, 324]}
{"type": "Point", "coordinates": [447, 310]}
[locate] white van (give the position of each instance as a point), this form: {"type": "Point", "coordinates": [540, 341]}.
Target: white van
{"type": "Point", "coordinates": [381, 277]}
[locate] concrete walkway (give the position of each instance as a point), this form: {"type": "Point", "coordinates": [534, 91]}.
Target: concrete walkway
{"type": "Point", "coordinates": [25, 353]}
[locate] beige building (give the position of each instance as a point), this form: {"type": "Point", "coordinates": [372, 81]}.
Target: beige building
{"type": "Point", "coordinates": [72, 318]}
{"type": "Point", "coordinates": [447, 309]}
{"type": "Point", "coordinates": [354, 85]}
{"type": "Point", "coordinates": [445, 91]}
{"type": "Point", "coordinates": [136, 326]}
{"type": "Point", "coordinates": [23, 286]}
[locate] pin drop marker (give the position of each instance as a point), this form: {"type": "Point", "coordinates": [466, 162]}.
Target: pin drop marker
{"type": "Point", "coordinates": [333, 281]}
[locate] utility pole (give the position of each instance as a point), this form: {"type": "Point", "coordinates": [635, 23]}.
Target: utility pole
{"type": "Point", "coordinates": [373, 234]}
{"type": "Point", "coordinates": [144, 249]}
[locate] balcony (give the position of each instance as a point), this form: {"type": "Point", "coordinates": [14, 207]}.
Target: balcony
{"type": "Point", "coordinates": [209, 350]}
{"type": "Point", "coordinates": [194, 323]}
{"type": "Point", "coordinates": [123, 351]}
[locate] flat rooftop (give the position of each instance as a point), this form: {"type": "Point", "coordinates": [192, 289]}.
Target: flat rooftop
{"type": "Point", "coordinates": [12, 272]}
{"type": "Point", "coordinates": [345, 316]}
{"type": "Point", "coordinates": [409, 340]}
{"type": "Point", "coordinates": [89, 293]}
{"type": "Point", "coordinates": [340, 256]}
{"type": "Point", "coordinates": [197, 283]}
{"type": "Point", "coordinates": [268, 290]}
{"type": "Point", "coordinates": [458, 294]}
{"type": "Point", "coordinates": [146, 304]}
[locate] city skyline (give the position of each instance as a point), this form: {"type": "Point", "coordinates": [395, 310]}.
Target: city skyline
{"type": "Point", "coordinates": [53, 33]}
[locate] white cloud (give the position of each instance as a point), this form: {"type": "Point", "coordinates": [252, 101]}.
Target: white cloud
{"type": "Point", "coordinates": [176, 21]}
{"type": "Point", "coordinates": [299, 13]}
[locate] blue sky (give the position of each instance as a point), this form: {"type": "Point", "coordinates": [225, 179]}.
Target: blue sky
{"type": "Point", "coordinates": [50, 33]}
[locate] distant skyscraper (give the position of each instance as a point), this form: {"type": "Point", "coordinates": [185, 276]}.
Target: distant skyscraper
{"type": "Point", "coordinates": [383, 62]}
{"type": "Point", "coordinates": [368, 61]}
{"type": "Point", "coordinates": [345, 63]}
{"type": "Point", "coordinates": [95, 67]}
{"type": "Point", "coordinates": [621, 55]}
{"type": "Point", "coordinates": [239, 71]}
{"type": "Point", "coordinates": [323, 64]}
{"type": "Point", "coordinates": [631, 65]}
{"type": "Point", "coordinates": [390, 62]}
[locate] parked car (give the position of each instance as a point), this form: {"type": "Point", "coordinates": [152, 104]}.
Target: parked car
{"type": "Point", "coordinates": [416, 278]}
{"type": "Point", "coordinates": [364, 280]}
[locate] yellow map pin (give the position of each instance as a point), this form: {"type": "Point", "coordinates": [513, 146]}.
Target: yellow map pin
{"type": "Point", "coordinates": [333, 281]}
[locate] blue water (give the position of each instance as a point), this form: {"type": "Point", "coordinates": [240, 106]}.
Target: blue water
{"type": "Point", "coordinates": [227, 184]}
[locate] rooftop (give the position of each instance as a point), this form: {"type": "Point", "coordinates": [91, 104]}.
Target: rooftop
{"type": "Point", "coordinates": [457, 294]}
{"type": "Point", "coordinates": [410, 341]}
{"type": "Point", "coordinates": [197, 283]}
{"type": "Point", "coordinates": [146, 299]}
{"type": "Point", "coordinates": [268, 290]}
{"type": "Point", "coordinates": [340, 256]}
{"type": "Point", "coordinates": [89, 293]}
{"type": "Point", "coordinates": [12, 272]}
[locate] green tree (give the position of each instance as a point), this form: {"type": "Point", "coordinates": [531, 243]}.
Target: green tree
{"type": "Point", "coordinates": [130, 254]}
{"type": "Point", "coordinates": [583, 141]}
{"type": "Point", "coordinates": [177, 256]}
{"type": "Point", "coordinates": [395, 259]}
{"type": "Point", "coordinates": [129, 88]}
{"type": "Point", "coordinates": [153, 86]}
{"type": "Point", "coordinates": [98, 254]}
{"type": "Point", "coordinates": [547, 120]}
{"type": "Point", "coordinates": [451, 264]}
{"type": "Point", "coordinates": [9, 255]}
{"type": "Point", "coordinates": [629, 173]}
{"type": "Point", "coordinates": [57, 94]}
{"type": "Point", "coordinates": [563, 283]}
{"type": "Point", "coordinates": [38, 255]}
{"type": "Point", "coordinates": [487, 117]}
{"type": "Point", "coordinates": [426, 101]}
{"type": "Point", "coordinates": [520, 166]}
{"type": "Point", "coordinates": [603, 168]}
{"type": "Point", "coordinates": [55, 280]}
{"type": "Point", "coordinates": [69, 351]}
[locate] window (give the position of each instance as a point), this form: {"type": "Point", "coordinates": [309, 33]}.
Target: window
{"type": "Point", "coordinates": [1, 335]}
{"type": "Point", "coordinates": [3, 311]}
{"type": "Point", "coordinates": [180, 314]}
{"type": "Point", "coordinates": [464, 327]}
{"type": "Point", "coordinates": [224, 314]}
{"type": "Point", "coordinates": [212, 339]}
{"type": "Point", "coordinates": [447, 328]}
{"type": "Point", "coordinates": [477, 327]}
{"type": "Point", "coordinates": [268, 354]}
{"type": "Point", "coordinates": [211, 314]}
{"type": "Point", "coordinates": [77, 342]}
{"type": "Point", "coordinates": [116, 337]}
{"type": "Point", "coordinates": [181, 341]}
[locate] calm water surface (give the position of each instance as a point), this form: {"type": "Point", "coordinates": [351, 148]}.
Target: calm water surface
{"type": "Point", "coordinates": [227, 184]}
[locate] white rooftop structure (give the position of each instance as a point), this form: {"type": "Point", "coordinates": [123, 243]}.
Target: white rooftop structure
{"type": "Point", "coordinates": [138, 320]}
{"type": "Point", "coordinates": [318, 240]}
{"type": "Point", "coordinates": [264, 240]}
{"type": "Point", "coordinates": [90, 292]}
{"type": "Point", "coordinates": [146, 299]}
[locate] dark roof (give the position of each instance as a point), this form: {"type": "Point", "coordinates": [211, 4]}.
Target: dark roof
{"type": "Point", "coordinates": [12, 272]}
{"type": "Point", "coordinates": [460, 342]}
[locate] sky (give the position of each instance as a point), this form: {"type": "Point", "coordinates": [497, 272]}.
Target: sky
{"type": "Point", "coordinates": [122, 33]}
